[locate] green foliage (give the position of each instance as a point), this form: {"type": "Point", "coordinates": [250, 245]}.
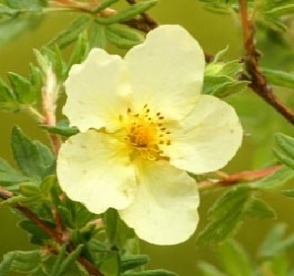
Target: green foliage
{"type": "Point", "coordinates": [241, 265]}
{"type": "Point", "coordinates": [271, 257]}
{"type": "Point", "coordinates": [119, 234]}
{"type": "Point", "coordinates": [71, 32]}
{"type": "Point", "coordinates": [279, 77]}
{"type": "Point", "coordinates": [62, 128]}
{"type": "Point", "coordinates": [221, 78]}
{"type": "Point", "coordinates": [17, 16]}
{"type": "Point", "coordinates": [33, 158]}
{"type": "Point", "coordinates": [23, 91]}
{"type": "Point", "coordinates": [129, 262]}
{"type": "Point", "coordinates": [285, 153]}
{"type": "Point", "coordinates": [274, 180]}
{"type": "Point", "coordinates": [20, 261]}
{"type": "Point", "coordinates": [229, 211]}
{"type": "Point", "coordinates": [122, 36]}
{"type": "Point", "coordinates": [128, 13]}
{"type": "Point", "coordinates": [9, 175]}
{"type": "Point", "coordinates": [157, 272]}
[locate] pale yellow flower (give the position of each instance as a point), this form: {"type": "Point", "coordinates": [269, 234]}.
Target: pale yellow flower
{"type": "Point", "coordinates": [143, 123]}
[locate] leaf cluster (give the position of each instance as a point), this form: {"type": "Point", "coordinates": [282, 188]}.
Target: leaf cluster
{"type": "Point", "coordinates": [271, 257]}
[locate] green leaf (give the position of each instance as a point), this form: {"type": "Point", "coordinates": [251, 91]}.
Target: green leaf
{"type": "Point", "coordinates": [286, 143]}
{"type": "Point", "coordinates": [5, 10]}
{"type": "Point", "coordinates": [8, 100]}
{"type": "Point", "coordinates": [133, 261]}
{"type": "Point", "coordinates": [37, 235]}
{"type": "Point", "coordinates": [22, 261]}
{"type": "Point", "coordinates": [33, 158]}
{"type": "Point", "coordinates": [274, 243]}
{"type": "Point", "coordinates": [61, 130]}
{"type": "Point", "coordinates": [275, 180]}
{"type": "Point", "coordinates": [234, 259]}
{"type": "Point", "coordinates": [105, 4]}
{"type": "Point", "coordinates": [9, 175]}
{"type": "Point", "coordinates": [225, 215]}
{"type": "Point", "coordinates": [289, 192]}
{"type": "Point", "coordinates": [279, 78]}
{"type": "Point", "coordinates": [280, 265]}
{"type": "Point", "coordinates": [31, 5]}
{"type": "Point", "coordinates": [209, 270]}
{"type": "Point", "coordinates": [64, 260]}
{"type": "Point", "coordinates": [119, 234]}
{"type": "Point", "coordinates": [284, 158]}
{"type": "Point", "coordinates": [13, 28]}
{"type": "Point", "coordinates": [128, 13]}
{"type": "Point", "coordinates": [71, 32]}
{"type": "Point", "coordinates": [97, 35]}
{"type": "Point", "coordinates": [155, 272]}
{"type": "Point", "coordinates": [123, 36]}
{"type": "Point", "coordinates": [110, 264]}
{"type": "Point", "coordinates": [80, 51]}
{"type": "Point", "coordinates": [281, 10]}
{"type": "Point", "coordinates": [221, 79]}
{"type": "Point", "coordinates": [22, 88]}
{"type": "Point", "coordinates": [260, 209]}
{"type": "Point", "coordinates": [41, 193]}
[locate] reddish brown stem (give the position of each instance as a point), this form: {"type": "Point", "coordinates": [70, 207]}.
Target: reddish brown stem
{"type": "Point", "coordinates": [247, 176]}
{"type": "Point", "coordinates": [258, 82]}
{"type": "Point", "coordinates": [240, 177]}
{"type": "Point", "coordinates": [144, 23]}
{"type": "Point", "coordinates": [53, 233]}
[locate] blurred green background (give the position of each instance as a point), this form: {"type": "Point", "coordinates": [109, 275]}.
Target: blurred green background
{"type": "Point", "coordinates": [214, 32]}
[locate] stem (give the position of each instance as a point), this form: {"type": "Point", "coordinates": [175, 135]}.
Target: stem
{"type": "Point", "coordinates": [233, 179]}
{"type": "Point", "coordinates": [149, 22]}
{"type": "Point", "coordinates": [54, 235]}
{"type": "Point", "coordinates": [258, 82]}
{"type": "Point", "coordinates": [49, 98]}
{"type": "Point", "coordinates": [35, 113]}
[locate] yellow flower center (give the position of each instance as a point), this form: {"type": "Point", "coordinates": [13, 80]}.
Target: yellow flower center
{"type": "Point", "coordinates": [142, 134]}
{"type": "Point", "coordinates": [145, 132]}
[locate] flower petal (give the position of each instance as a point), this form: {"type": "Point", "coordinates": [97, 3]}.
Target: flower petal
{"type": "Point", "coordinates": [208, 138]}
{"type": "Point", "coordinates": [97, 91]}
{"type": "Point", "coordinates": [93, 168]}
{"type": "Point", "coordinates": [164, 210]}
{"type": "Point", "coordinates": [167, 71]}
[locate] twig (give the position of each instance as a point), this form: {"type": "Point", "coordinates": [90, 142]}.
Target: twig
{"type": "Point", "coordinates": [56, 236]}
{"type": "Point", "coordinates": [144, 23]}
{"type": "Point", "coordinates": [258, 82]}
{"type": "Point", "coordinates": [240, 177]}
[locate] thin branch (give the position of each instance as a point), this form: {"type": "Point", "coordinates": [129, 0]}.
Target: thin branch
{"type": "Point", "coordinates": [237, 178]}
{"type": "Point", "coordinates": [145, 22]}
{"type": "Point", "coordinates": [258, 82]}
{"type": "Point", "coordinates": [54, 235]}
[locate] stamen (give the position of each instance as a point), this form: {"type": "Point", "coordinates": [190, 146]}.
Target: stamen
{"type": "Point", "coordinates": [145, 132]}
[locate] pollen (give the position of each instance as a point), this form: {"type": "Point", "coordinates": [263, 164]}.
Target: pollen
{"type": "Point", "coordinates": [146, 132]}
{"type": "Point", "coordinates": [143, 134]}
